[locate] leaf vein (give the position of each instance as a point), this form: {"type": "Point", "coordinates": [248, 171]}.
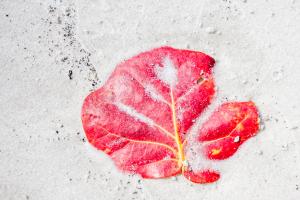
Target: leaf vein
{"type": "Point", "coordinates": [227, 136]}
{"type": "Point", "coordinates": [141, 141]}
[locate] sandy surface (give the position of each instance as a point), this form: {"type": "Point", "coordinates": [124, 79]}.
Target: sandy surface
{"type": "Point", "coordinates": [53, 53]}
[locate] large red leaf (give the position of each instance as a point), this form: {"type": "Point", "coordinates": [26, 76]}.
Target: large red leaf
{"type": "Point", "coordinates": [141, 115]}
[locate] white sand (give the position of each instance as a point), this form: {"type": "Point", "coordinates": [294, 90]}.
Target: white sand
{"type": "Point", "coordinates": [167, 73]}
{"type": "Point", "coordinates": [53, 52]}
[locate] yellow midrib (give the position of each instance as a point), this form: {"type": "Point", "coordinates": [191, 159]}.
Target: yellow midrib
{"type": "Point", "coordinates": [180, 154]}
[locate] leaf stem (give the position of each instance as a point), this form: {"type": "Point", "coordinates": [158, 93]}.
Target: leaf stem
{"type": "Point", "coordinates": [181, 157]}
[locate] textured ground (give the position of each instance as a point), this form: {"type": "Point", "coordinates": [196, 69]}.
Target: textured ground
{"type": "Point", "coordinates": [54, 52]}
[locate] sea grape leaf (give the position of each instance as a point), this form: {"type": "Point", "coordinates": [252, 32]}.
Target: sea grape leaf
{"type": "Point", "coordinates": [227, 128]}
{"type": "Point", "coordinates": [140, 117]}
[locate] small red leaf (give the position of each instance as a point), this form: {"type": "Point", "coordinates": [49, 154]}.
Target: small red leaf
{"type": "Point", "coordinates": [141, 115]}
{"type": "Point", "coordinates": [202, 176]}
{"type": "Point", "coordinates": [227, 128]}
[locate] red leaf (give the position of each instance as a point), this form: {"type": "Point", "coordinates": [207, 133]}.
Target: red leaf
{"type": "Point", "coordinates": [227, 128]}
{"type": "Point", "coordinates": [142, 113]}
{"type": "Point", "coordinates": [202, 176]}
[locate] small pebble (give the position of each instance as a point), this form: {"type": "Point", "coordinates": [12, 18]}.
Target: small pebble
{"type": "Point", "coordinates": [237, 139]}
{"type": "Point", "coordinates": [294, 127]}
{"type": "Point", "coordinates": [262, 127]}
{"type": "Point", "coordinates": [201, 24]}
{"type": "Point", "coordinates": [211, 30]}
{"type": "Point", "coordinates": [70, 74]}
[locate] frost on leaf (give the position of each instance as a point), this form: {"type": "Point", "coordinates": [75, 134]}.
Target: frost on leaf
{"type": "Point", "coordinates": [142, 115]}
